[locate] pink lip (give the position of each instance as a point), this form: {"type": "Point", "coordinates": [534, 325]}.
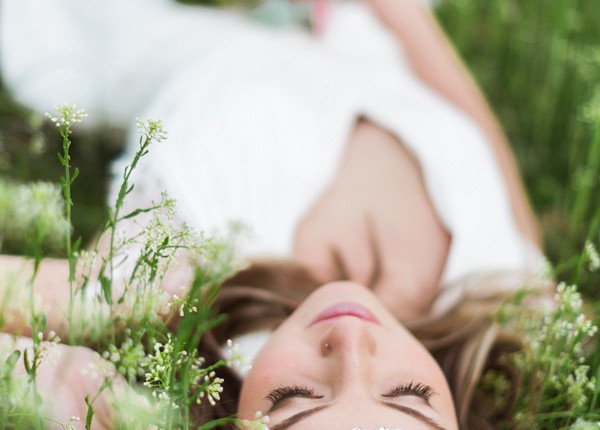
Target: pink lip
{"type": "Point", "coordinates": [344, 309]}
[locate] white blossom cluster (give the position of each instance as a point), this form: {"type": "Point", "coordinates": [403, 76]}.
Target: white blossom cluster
{"type": "Point", "coordinates": [212, 390]}
{"type": "Point", "coordinates": [570, 302]}
{"type": "Point", "coordinates": [127, 358]}
{"type": "Point", "coordinates": [582, 424]}
{"type": "Point", "coordinates": [153, 130]}
{"type": "Point", "coordinates": [236, 358]}
{"type": "Point", "coordinates": [158, 365]}
{"type": "Point", "coordinates": [260, 422]}
{"type": "Point", "coordinates": [67, 115]}
{"type": "Point", "coordinates": [183, 304]}
{"type": "Point", "coordinates": [592, 256]}
{"type": "Point", "coordinates": [553, 360]}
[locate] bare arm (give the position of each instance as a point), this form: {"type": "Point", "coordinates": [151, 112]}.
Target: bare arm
{"type": "Point", "coordinates": [51, 290]}
{"type": "Point", "coordinates": [434, 60]}
{"type": "Point", "coordinates": [52, 293]}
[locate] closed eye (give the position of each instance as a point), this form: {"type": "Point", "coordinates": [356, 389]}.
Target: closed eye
{"type": "Point", "coordinates": [412, 389]}
{"type": "Point", "coordinates": [281, 394]}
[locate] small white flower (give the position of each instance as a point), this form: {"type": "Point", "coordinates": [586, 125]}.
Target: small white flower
{"type": "Point", "coordinates": [67, 115]}
{"type": "Point", "coordinates": [152, 129]}
{"type": "Point", "coordinates": [260, 422]}
{"type": "Point", "coordinates": [236, 358]}
{"type": "Point", "coordinates": [593, 256]}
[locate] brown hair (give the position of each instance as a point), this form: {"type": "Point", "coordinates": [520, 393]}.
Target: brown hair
{"type": "Point", "coordinates": [461, 335]}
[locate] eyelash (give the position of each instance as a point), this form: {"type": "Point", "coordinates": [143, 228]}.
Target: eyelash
{"type": "Point", "coordinates": [412, 389]}
{"type": "Point", "coordinates": [280, 394]}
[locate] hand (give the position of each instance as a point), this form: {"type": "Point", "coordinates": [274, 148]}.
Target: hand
{"type": "Point", "coordinates": [65, 376]}
{"type": "Point", "coordinates": [375, 225]}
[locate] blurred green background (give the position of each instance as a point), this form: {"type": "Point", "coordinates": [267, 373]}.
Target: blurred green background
{"type": "Point", "coordinates": [538, 62]}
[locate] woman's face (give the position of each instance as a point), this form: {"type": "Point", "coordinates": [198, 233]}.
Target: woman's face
{"type": "Point", "coordinates": [342, 361]}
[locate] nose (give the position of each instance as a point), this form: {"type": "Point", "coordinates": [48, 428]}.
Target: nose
{"type": "Point", "coordinates": [349, 346]}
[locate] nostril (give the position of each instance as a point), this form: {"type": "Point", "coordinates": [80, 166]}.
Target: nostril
{"type": "Point", "coordinates": [348, 334]}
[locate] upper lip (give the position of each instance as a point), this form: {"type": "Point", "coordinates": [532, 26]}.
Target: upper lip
{"type": "Point", "coordinates": [346, 309]}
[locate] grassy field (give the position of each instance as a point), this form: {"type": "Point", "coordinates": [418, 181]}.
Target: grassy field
{"type": "Point", "coordinates": [538, 62]}
{"type": "Point", "coordinates": [539, 65]}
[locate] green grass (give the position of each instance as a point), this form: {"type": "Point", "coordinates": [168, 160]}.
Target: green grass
{"type": "Point", "coordinates": [538, 63]}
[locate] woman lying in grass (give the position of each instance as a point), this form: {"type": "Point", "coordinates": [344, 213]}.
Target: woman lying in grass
{"type": "Point", "coordinates": [355, 325]}
{"type": "Point", "coordinates": [361, 153]}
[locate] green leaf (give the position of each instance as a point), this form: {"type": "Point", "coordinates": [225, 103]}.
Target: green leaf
{"type": "Point", "coordinates": [62, 159]}
{"type": "Point", "coordinates": [77, 245]}
{"type": "Point", "coordinates": [136, 213]}
{"type": "Point", "coordinates": [43, 322]}
{"type": "Point", "coordinates": [165, 242]}
{"type": "Point", "coordinates": [106, 288]}
{"type": "Point", "coordinates": [11, 361]}
{"type": "Point", "coordinates": [90, 413]}
{"type": "Point", "coordinates": [26, 361]}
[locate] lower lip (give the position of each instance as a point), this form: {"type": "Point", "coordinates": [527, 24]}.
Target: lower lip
{"type": "Point", "coordinates": [346, 309]}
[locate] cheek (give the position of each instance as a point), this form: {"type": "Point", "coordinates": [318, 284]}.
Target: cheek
{"type": "Point", "coordinates": [272, 369]}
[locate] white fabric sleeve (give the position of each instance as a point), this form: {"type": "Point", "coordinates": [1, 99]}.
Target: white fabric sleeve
{"type": "Point", "coordinates": [52, 52]}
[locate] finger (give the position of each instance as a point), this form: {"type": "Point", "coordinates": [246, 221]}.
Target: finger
{"type": "Point", "coordinates": [412, 261]}
{"type": "Point", "coordinates": [315, 252]}
{"type": "Point", "coordinates": [402, 296]}
{"type": "Point", "coordinates": [356, 253]}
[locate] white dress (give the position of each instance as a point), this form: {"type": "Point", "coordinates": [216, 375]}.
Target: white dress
{"type": "Point", "coordinates": [258, 117]}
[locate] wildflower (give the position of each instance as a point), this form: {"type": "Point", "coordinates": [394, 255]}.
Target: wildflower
{"type": "Point", "coordinates": [236, 358]}
{"type": "Point", "coordinates": [213, 389]}
{"type": "Point", "coordinates": [127, 358]}
{"type": "Point", "coordinates": [152, 129]}
{"type": "Point", "coordinates": [68, 115]}
{"type": "Point", "coordinates": [183, 304]}
{"type": "Point", "coordinates": [260, 422]}
{"type": "Point", "coordinates": [592, 256]}
{"type": "Point", "coordinates": [158, 364]}
{"type": "Point", "coordinates": [158, 367]}
{"type": "Point", "coordinates": [69, 424]}
{"type": "Point", "coordinates": [552, 361]}
{"type": "Point", "coordinates": [581, 424]}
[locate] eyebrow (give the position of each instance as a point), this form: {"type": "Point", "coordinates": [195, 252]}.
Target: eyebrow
{"type": "Point", "coordinates": [297, 418]}
{"type": "Point", "coordinates": [294, 419]}
{"type": "Point", "coordinates": [415, 414]}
